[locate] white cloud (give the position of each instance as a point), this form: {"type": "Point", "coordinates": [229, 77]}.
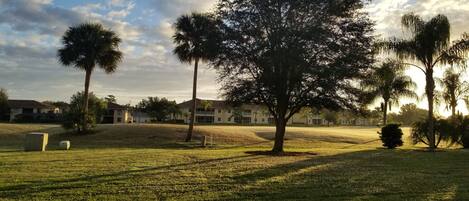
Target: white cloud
{"type": "Point", "coordinates": [123, 12]}
{"type": "Point", "coordinates": [30, 32]}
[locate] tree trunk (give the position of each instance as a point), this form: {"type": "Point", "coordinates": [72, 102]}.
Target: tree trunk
{"type": "Point", "coordinates": [430, 90]}
{"type": "Point", "coordinates": [453, 110]}
{"type": "Point", "coordinates": [385, 113]}
{"type": "Point", "coordinates": [194, 102]}
{"type": "Point", "coordinates": [85, 101]}
{"type": "Point", "coordinates": [280, 125]}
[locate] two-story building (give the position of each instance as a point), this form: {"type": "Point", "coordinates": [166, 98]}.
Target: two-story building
{"type": "Point", "coordinates": [220, 112]}
{"type": "Point", "coordinates": [30, 108]}
{"type": "Point", "coordinates": [117, 114]}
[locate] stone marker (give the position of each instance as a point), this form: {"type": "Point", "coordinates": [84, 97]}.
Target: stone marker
{"type": "Point", "coordinates": [36, 141]}
{"type": "Point", "coordinates": [64, 145]}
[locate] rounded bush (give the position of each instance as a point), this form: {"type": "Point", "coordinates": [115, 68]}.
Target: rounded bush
{"type": "Point", "coordinates": [391, 136]}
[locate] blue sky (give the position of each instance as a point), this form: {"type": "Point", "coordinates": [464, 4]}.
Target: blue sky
{"type": "Point", "coordinates": [30, 33]}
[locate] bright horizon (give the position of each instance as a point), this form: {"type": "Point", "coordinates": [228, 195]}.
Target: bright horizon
{"type": "Point", "coordinates": [30, 34]}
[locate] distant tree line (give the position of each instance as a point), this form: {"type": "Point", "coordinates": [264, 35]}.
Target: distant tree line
{"type": "Point", "coordinates": [161, 109]}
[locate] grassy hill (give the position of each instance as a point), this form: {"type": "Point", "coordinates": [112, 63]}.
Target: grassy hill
{"type": "Point", "coordinates": [151, 162]}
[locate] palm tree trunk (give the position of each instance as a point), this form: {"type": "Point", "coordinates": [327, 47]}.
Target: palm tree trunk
{"type": "Point", "coordinates": [85, 101]}
{"type": "Point", "coordinates": [430, 89]}
{"type": "Point", "coordinates": [194, 102]}
{"type": "Point", "coordinates": [385, 113]}
{"type": "Point", "coordinates": [453, 110]}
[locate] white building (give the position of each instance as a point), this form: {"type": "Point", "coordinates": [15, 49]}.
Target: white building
{"type": "Point", "coordinates": [219, 112]}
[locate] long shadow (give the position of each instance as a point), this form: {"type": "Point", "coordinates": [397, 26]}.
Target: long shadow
{"type": "Point", "coordinates": [18, 191]}
{"type": "Point", "coordinates": [364, 175]}
{"type": "Point", "coordinates": [297, 135]}
{"type": "Point", "coordinates": [369, 175]}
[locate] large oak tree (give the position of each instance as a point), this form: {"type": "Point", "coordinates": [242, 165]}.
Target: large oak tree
{"type": "Point", "coordinates": [290, 54]}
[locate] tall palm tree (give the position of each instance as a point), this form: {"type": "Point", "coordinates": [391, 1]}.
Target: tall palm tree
{"type": "Point", "coordinates": [196, 39]}
{"type": "Point", "coordinates": [454, 90]}
{"type": "Point", "coordinates": [389, 82]}
{"type": "Point", "coordinates": [427, 47]}
{"type": "Point", "coordinates": [86, 46]}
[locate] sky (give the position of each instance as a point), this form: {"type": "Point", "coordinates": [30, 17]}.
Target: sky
{"type": "Point", "coordinates": [30, 33]}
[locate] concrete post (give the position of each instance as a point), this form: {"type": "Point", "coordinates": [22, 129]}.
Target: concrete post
{"type": "Point", "coordinates": [36, 141]}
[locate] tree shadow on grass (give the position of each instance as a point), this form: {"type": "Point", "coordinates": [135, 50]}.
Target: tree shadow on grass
{"type": "Point", "coordinates": [310, 137]}
{"type": "Point", "coordinates": [365, 175]}
{"type": "Point", "coordinates": [28, 190]}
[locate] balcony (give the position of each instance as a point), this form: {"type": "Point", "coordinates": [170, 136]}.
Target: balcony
{"type": "Point", "coordinates": [205, 113]}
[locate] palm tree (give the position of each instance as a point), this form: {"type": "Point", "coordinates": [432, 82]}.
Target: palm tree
{"type": "Point", "coordinates": [196, 40]}
{"type": "Point", "coordinates": [454, 90]}
{"type": "Point", "coordinates": [389, 83]}
{"type": "Point", "coordinates": [86, 46]}
{"type": "Point", "coordinates": [428, 47]}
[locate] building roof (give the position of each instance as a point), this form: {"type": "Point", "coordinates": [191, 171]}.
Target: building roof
{"type": "Point", "coordinates": [28, 104]}
{"type": "Point", "coordinates": [115, 106]}
{"type": "Point", "coordinates": [215, 103]}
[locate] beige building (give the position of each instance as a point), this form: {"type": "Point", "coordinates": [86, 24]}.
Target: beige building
{"type": "Point", "coordinates": [117, 114]}
{"type": "Point", "coordinates": [219, 112]}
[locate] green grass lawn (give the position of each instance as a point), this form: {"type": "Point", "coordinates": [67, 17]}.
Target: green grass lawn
{"type": "Point", "coordinates": [150, 162]}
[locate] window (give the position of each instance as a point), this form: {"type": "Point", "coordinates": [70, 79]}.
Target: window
{"type": "Point", "coordinates": [219, 111]}
{"type": "Point", "coordinates": [28, 110]}
{"type": "Point", "coordinates": [219, 119]}
{"type": "Point", "coordinates": [229, 119]}
{"type": "Point", "coordinates": [242, 120]}
{"type": "Point", "coordinates": [229, 111]}
{"type": "Point", "coordinates": [263, 120]}
{"type": "Point", "coordinates": [204, 119]}
{"type": "Point", "coordinates": [119, 120]}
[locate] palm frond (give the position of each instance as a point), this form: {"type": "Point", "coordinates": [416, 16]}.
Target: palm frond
{"type": "Point", "coordinates": [457, 52]}
{"type": "Point", "coordinates": [197, 36]}
{"type": "Point", "coordinates": [88, 45]}
{"type": "Point", "coordinates": [412, 22]}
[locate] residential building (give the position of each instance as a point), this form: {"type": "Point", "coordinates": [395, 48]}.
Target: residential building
{"type": "Point", "coordinates": [220, 112]}
{"type": "Point", "coordinates": [117, 114]}
{"type": "Point", "coordinates": [30, 108]}
{"type": "Point", "coordinates": [141, 117]}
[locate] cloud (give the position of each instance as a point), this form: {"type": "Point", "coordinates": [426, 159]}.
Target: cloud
{"type": "Point", "coordinates": [178, 7]}
{"type": "Point", "coordinates": [41, 16]}
{"type": "Point", "coordinates": [123, 12]}
{"type": "Point", "coordinates": [30, 32]}
{"type": "Point", "coordinates": [387, 14]}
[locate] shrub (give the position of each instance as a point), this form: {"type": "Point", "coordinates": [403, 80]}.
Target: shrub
{"type": "Point", "coordinates": [454, 130]}
{"type": "Point", "coordinates": [38, 118]}
{"type": "Point", "coordinates": [73, 118]}
{"type": "Point", "coordinates": [459, 130]}
{"type": "Point", "coordinates": [391, 136]}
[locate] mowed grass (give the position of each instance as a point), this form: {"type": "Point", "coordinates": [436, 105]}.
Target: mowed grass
{"type": "Point", "coordinates": [151, 162]}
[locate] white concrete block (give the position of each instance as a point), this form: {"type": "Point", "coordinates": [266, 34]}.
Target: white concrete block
{"type": "Point", "coordinates": [64, 145]}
